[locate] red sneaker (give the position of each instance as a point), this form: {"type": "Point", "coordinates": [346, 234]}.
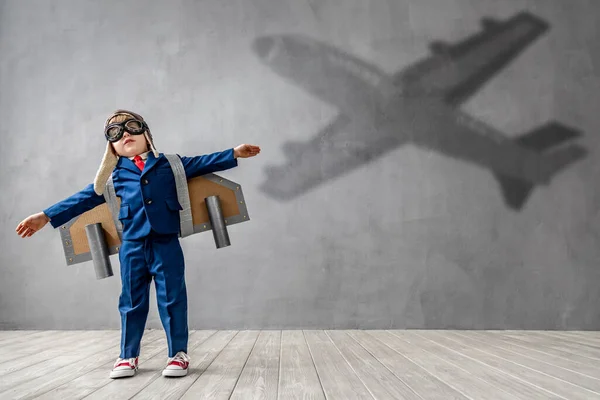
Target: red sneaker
{"type": "Point", "coordinates": [178, 365]}
{"type": "Point", "coordinates": [124, 367]}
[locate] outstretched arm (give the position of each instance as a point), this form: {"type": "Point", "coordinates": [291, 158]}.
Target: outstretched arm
{"type": "Point", "coordinates": [73, 206]}
{"type": "Point", "coordinates": [219, 161]}
{"type": "Point", "coordinates": [61, 212]}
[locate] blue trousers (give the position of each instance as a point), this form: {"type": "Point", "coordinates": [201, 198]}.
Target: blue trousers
{"type": "Point", "coordinates": [159, 257]}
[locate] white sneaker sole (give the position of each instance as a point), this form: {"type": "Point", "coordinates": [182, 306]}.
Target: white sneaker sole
{"type": "Point", "coordinates": [122, 373]}
{"type": "Point", "coordinates": [174, 372]}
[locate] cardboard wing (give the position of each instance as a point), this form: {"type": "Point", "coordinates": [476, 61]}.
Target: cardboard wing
{"type": "Point", "coordinates": [233, 209]}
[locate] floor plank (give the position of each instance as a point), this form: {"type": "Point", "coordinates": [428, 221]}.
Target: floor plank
{"type": "Point", "coordinates": [554, 343]}
{"type": "Point", "coordinates": [538, 346]}
{"type": "Point", "coordinates": [461, 380]}
{"type": "Point", "coordinates": [9, 333]}
{"type": "Point", "coordinates": [260, 376]}
{"type": "Point", "coordinates": [298, 378]}
{"type": "Point", "coordinates": [588, 335]}
{"type": "Point", "coordinates": [94, 356]}
{"type": "Point", "coordinates": [78, 351]}
{"type": "Point", "coordinates": [590, 383]}
{"type": "Point", "coordinates": [219, 379]}
{"type": "Point", "coordinates": [518, 371]}
{"type": "Point", "coordinates": [419, 379]}
{"type": "Point", "coordinates": [24, 348]}
{"type": "Point", "coordinates": [7, 336]}
{"type": "Point", "coordinates": [478, 368]}
{"type": "Point", "coordinates": [58, 348]}
{"type": "Point", "coordinates": [337, 376]}
{"type": "Point", "coordinates": [528, 350]}
{"type": "Point", "coordinates": [565, 337]}
{"type": "Point", "coordinates": [380, 381]}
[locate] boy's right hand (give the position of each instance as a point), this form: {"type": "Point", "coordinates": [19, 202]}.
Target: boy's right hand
{"type": "Point", "coordinates": [32, 224]}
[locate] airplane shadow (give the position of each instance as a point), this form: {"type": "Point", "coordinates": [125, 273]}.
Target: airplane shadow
{"type": "Point", "coordinates": [379, 113]}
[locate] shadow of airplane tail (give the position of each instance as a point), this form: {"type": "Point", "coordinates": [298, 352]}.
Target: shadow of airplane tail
{"type": "Point", "coordinates": [543, 139]}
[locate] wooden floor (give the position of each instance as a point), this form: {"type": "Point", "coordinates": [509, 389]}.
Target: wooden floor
{"type": "Point", "coordinates": [311, 364]}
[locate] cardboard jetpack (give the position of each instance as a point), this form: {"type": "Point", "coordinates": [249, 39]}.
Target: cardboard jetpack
{"type": "Point", "coordinates": [214, 202]}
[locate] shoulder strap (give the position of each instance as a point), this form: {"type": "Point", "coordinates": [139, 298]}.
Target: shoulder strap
{"type": "Point", "coordinates": [111, 201]}
{"type": "Point", "coordinates": [183, 195]}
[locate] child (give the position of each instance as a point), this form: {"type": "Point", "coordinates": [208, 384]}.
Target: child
{"type": "Point", "coordinates": [150, 247]}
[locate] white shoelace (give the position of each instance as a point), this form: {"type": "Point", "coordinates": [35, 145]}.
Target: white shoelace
{"type": "Point", "coordinates": [181, 356]}
{"type": "Point", "coordinates": [120, 360]}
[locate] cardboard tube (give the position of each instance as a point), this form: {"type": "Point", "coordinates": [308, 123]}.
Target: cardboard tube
{"type": "Point", "coordinates": [99, 250]}
{"type": "Point", "coordinates": [217, 221]}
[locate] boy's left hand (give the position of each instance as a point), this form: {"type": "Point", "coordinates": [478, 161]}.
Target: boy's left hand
{"type": "Point", "coordinates": [245, 151]}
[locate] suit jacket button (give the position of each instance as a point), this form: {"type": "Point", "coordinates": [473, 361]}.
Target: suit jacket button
{"type": "Point", "coordinates": [148, 201]}
{"type": "Point", "coordinates": [145, 181]}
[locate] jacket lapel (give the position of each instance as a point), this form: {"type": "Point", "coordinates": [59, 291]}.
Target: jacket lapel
{"type": "Point", "coordinates": [126, 163]}
{"type": "Point", "coordinates": [150, 162]}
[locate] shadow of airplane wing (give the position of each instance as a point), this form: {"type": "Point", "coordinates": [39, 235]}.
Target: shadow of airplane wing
{"type": "Point", "coordinates": [339, 148]}
{"type": "Point", "coordinates": [337, 78]}
{"type": "Point", "coordinates": [457, 71]}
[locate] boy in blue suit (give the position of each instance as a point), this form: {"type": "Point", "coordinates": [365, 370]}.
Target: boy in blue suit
{"type": "Point", "coordinates": [150, 247]}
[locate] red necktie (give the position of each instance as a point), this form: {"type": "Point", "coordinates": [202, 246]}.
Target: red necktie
{"type": "Point", "coordinates": [139, 162]}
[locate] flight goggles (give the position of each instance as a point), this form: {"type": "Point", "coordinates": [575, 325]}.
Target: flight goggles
{"type": "Point", "coordinates": [114, 132]}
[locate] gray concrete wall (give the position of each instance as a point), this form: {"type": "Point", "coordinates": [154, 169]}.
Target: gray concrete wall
{"type": "Point", "coordinates": [416, 234]}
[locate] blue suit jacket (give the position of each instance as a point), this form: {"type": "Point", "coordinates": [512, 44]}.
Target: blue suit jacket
{"type": "Point", "coordinates": [148, 198]}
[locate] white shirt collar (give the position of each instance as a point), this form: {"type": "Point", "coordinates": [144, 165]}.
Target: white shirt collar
{"type": "Point", "coordinates": [143, 155]}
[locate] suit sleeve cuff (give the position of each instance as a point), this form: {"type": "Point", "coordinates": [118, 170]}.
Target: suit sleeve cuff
{"type": "Point", "coordinates": [54, 216]}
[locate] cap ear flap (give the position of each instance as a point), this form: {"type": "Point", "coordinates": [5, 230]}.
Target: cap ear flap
{"type": "Point", "coordinates": [109, 162]}
{"type": "Point", "coordinates": [151, 143]}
